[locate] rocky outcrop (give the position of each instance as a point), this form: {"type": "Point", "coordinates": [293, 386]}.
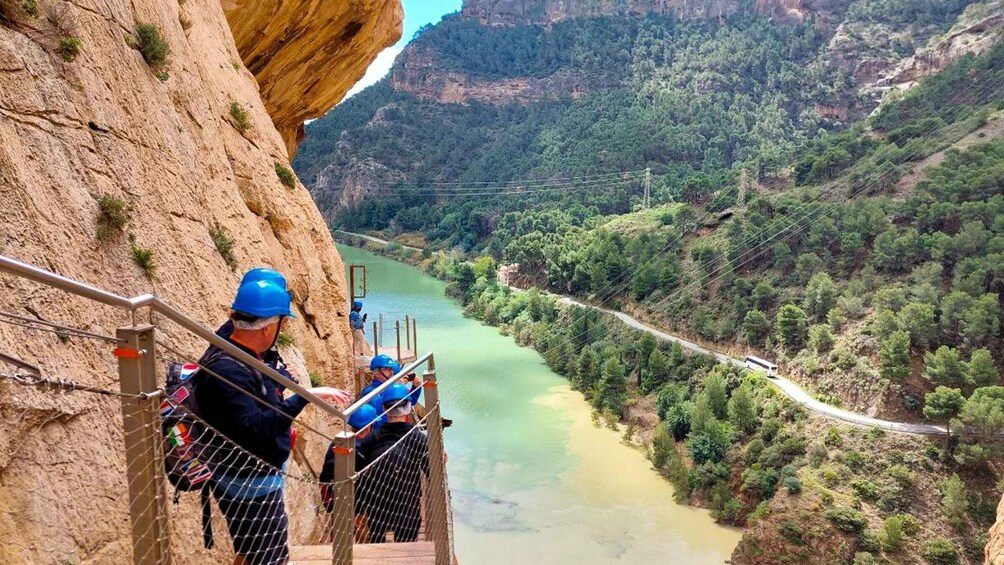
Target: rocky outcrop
{"type": "Point", "coordinates": [544, 12]}
{"type": "Point", "coordinates": [995, 546]}
{"type": "Point", "coordinates": [306, 55]}
{"type": "Point", "coordinates": [167, 145]}
{"type": "Point", "coordinates": [416, 72]}
{"type": "Point", "coordinates": [978, 29]}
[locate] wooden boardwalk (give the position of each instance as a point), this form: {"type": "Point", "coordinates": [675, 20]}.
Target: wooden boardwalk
{"type": "Point", "coordinates": [414, 553]}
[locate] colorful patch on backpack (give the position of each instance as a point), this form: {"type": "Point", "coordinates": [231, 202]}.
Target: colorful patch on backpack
{"type": "Point", "coordinates": [187, 370]}
{"type": "Point", "coordinates": [178, 436]}
{"type": "Point", "coordinates": [196, 471]}
{"type": "Point", "coordinates": [180, 395]}
{"type": "Point", "coordinates": [166, 408]}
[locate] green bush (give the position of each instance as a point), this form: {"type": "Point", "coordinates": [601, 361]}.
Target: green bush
{"type": "Point", "coordinates": [224, 245]}
{"type": "Point", "coordinates": [285, 339]}
{"type": "Point", "coordinates": [152, 45]}
{"type": "Point", "coordinates": [315, 380]}
{"type": "Point", "coordinates": [30, 7]}
{"type": "Point", "coordinates": [286, 176]}
{"type": "Point", "coordinates": [892, 532]}
{"type": "Point", "coordinates": [941, 552]}
{"type": "Point", "coordinates": [867, 490]}
{"type": "Point", "coordinates": [793, 485]}
{"type": "Point", "coordinates": [847, 519]}
{"type": "Point", "coordinates": [69, 48]}
{"type": "Point", "coordinates": [240, 119]}
{"type": "Point", "coordinates": [143, 258]}
{"type": "Point", "coordinates": [869, 541]}
{"type": "Point", "coordinates": [113, 215]}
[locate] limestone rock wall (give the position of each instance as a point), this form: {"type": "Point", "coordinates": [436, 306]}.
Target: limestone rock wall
{"type": "Point", "coordinates": [106, 124]}
{"type": "Point", "coordinates": [995, 547]}
{"type": "Point", "coordinates": [306, 55]}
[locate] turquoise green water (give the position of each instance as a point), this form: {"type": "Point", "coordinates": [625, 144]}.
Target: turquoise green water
{"type": "Point", "coordinates": [534, 480]}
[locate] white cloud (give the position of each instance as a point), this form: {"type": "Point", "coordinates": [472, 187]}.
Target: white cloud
{"type": "Point", "coordinates": [377, 69]}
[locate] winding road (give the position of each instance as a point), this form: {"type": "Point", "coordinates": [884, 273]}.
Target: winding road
{"type": "Point", "coordinates": [786, 386]}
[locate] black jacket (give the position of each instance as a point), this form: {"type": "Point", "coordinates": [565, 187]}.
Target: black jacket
{"type": "Point", "coordinates": [362, 450]}
{"type": "Point", "coordinates": [261, 429]}
{"type": "Point", "coordinates": [395, 478]}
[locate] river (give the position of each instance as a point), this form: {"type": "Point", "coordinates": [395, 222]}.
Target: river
{"type": "Point", "coordinates": [534, 479]}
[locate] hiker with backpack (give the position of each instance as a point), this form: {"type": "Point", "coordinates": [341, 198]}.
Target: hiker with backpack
{"type": "Point", "coordinates": [248, 409]}
{"type": "Point", "coordinates": [357, 321]}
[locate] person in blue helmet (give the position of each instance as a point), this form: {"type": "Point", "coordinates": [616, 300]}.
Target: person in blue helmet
{"type": "Point", "coordinates": [272, 358]}
{"type": "Point", "coordinates": [400, 455]}
{"type": "Point", "coordinates": [357, 321]}
{"type": "Point", "coordinates": [384, 367]}
{"type": "Point", "coordinates": [362, 423]}
{"type": "Point", "coordinates": [245, 407]}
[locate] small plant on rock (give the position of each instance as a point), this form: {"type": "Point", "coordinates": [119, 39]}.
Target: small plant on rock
{"type": "Point", "coordinates": [285, 339]}
{"type": "Point", "coordinates": [286, 176]}
{"type": "Point", "coordinates": [143, 257]}
{"type": "Point", "coordinates": [113, 215]}
{"type": "Point", "coordinates": [152, 45]}
{"type": "Point", "coordinates": [30, 7]}
{"type": "Point", "coordinates": [239, 117]}
{"type": "Point", "coordinates": [224, 245]}
{"type": "Point", "coordinates": [315, 380]}
{"type": "Point", "coordinates": [69, 48]}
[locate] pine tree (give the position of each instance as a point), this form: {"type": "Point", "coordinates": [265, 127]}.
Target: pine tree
{"type": "Point", "coordinates": [656, 373]}
{"type": "Point", "coordinates": [894, 355]}
{"type": "Point", "coordinates": [756, 327]}
{"type": "Point", "coordinates": [954, 501]}
{"type": "Point", "coordinates": [612, 388]}
{"type": "Point", "coordinates": [944, 367]}
{"type": "Point", "coordinates": [981, 370]}
{"type": "Point", "coordinates": [942, 405]}
{"type": "Point", "coordinates": [714, 391]}
{"type": "Point", "coordinates": [742, 412]}
{"type": "Point", "coordinates": [791, 328]}
{"type": "Point", "coordinates": [588, 370]}
{"type": "Point", "coordinates": [820, 295]}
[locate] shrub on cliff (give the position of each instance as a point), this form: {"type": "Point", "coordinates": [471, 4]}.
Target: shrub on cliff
{"type": "Point", "coordinates": [152, 45]}
{"type": "Point", "coordinates": [113, 215]}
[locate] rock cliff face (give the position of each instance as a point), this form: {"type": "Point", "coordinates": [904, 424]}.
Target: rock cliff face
{"type": "Point", "coordinates": [978, 29]}
{"type": "Point", "coordinates": [306, 55]}
{"type": "Point", "coordinates": [168, 146]}
{"type": "Point", "coordinates": [509, 12]}
{"type": "Point", "coordinates": [995, 547]}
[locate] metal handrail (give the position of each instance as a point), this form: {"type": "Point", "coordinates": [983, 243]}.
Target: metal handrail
{"type": "Point", "coordinates": [31, 272]}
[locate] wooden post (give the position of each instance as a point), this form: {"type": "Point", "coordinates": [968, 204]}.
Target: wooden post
{"type": "Point", "coordinates": [376, 340]}
{"type": "Point", "coordinates": [343, 493]}
{"type": "Point", "coordinates": [407, 333]}
{"type": "Point", "coordinates": [414, 340]}
{"type": "Point", "coordinates": [437, 506]}
{"type": "Point", "coordinates": [143, 446]}
{"type": "Point", "coordinates": [397, 328]}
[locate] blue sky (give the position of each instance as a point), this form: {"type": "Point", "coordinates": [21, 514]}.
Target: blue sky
{"type": "Point", "coordinates": [417, 13]}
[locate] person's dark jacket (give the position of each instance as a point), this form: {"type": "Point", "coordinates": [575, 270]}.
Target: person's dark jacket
{"type": "Point", "coordinates": [396, 477]}
{"type": "Point", "coordinates": [363, 448]}
{"type": "Point", "coordinates": [261, 429]}
{"type": "Point", "coordinates": [270, 357]}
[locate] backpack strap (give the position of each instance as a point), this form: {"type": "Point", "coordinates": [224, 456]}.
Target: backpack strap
{"type": "Point", "coordinates": [207, 517]}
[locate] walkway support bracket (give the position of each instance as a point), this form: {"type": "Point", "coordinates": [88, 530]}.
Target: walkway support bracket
{"type": "Point", "coordinates": [143, 447]}
{"type": "Point", "coordinates": [438, 508]}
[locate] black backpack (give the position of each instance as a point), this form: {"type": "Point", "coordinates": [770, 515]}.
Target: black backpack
{"type": "Point", "coordinates": [188, 453]}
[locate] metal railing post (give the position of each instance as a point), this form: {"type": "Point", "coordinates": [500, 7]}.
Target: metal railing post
{"type": "Point", "coordinates": [397, 329]}
{"type": "Point", "coordinates": [437, 506]}
{"type": "Point", "coordinates": [407, 334]}
{"type": "Point", "coordinates": [376, 340]}
{"type": "Point", "coordinates": [343, 494]}
{"type": "Point", "coordinates": [414, 340]}
{"type": "Point", "coordinates": [143, 446]}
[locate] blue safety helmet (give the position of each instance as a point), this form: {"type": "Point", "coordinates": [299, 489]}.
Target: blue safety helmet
{"type": "Point", "coordinates": [363, 417]}
{"type": "Point", "coordinates": [264, 274]}
{"type": "Point", "coordinates": [394, 393]}
{"type": "Point", "coordinates": [382, 361]}
{"type": "Point", "coordinates": [357, 304]}
{"type": "Point", "coordinates": [263, 299]}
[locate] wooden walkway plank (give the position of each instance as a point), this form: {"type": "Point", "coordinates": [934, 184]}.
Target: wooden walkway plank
{"type": "Point", "coordinates": [418, 553]}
